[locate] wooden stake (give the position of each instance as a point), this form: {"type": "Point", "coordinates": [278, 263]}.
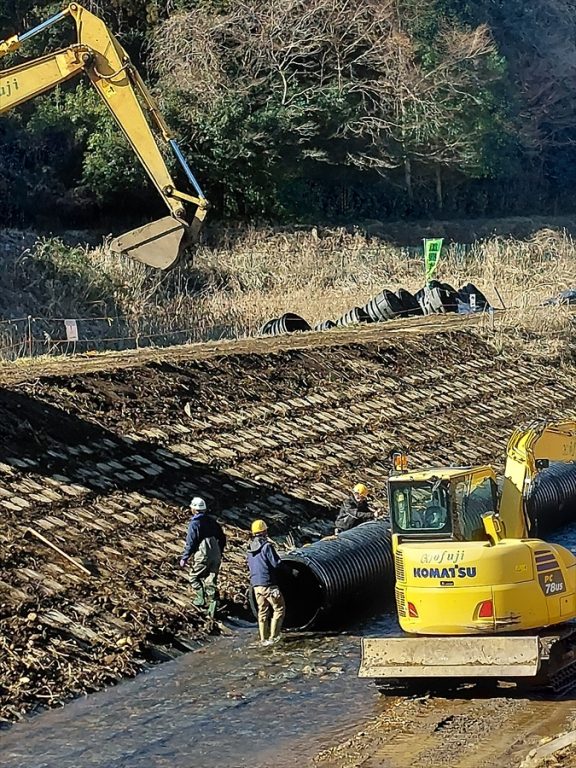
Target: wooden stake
{"type": "Point", "coordinates": [48, 543]}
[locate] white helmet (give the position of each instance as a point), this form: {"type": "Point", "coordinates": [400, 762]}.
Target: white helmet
{"type": "Point", "coordinates": [198, 504]}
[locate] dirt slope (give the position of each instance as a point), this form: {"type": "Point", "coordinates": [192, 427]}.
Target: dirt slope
{"type": "Point", "coordinates": [99, 456]}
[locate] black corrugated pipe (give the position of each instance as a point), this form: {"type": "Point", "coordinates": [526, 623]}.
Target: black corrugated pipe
{"type": "Point", "coordinates": [338, 577]}
{"type": "Point", "coordinates": [409, 304]}
{"type": "Point", "coordinates": [354, 316]}
{"type": "Point", "coordinates": [552, 500]}
{"type": "Point", "coordinates": [324, 326]}
{"type": "Point", "coordinates": [437, 297]}
{"type": "Point", "coordinates": [288, 323]}
{"type": "Point", "coordinates": [265, 329]}
{"type": "Point", "coordinates": [384, 306]}
{"type": "Point", "coordinates": [468, 290]}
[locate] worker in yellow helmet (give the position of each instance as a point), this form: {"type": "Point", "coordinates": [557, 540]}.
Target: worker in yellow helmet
{"type": "Point", "coordinates": [263, 562]}
{"type": "Point", "coordinates": [354, 510]}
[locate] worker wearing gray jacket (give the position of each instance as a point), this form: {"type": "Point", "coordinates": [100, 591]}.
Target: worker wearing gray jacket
{"type": "Point", "coordinates": [205, 541]}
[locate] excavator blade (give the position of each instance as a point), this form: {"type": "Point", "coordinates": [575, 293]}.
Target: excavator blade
{"type": "Point", "coordinates": [495, 656]}
{"type": "Point", "coordinates": [159, 244]}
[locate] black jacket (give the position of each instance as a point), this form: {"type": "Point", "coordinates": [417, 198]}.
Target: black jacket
{"type": "Point", "coordinates": [352, 513]}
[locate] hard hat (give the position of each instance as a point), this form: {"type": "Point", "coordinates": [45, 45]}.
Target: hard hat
{"type": "Point", "coordinates": [198, 504]}
{"type": "Point", "coordinates": [259, 526]}
{"type": "Point", "coordinates": [360, 489]}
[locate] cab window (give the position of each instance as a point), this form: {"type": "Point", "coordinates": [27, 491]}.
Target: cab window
{"type": "Point", "coordinates": [420, 508]}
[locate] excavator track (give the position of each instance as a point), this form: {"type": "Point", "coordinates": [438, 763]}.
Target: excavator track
{"type": "Point", "coordinates": [564, 681]}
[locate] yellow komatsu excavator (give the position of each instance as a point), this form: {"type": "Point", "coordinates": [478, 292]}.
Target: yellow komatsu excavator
{"type": "Point", "coordinates": [476, 596]}
{"type": "Point", "coordinates": [100, 56]}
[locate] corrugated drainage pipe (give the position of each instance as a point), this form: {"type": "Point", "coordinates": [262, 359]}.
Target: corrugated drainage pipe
{"type": "Point", "coordinates": [552, 500]}
{"type": "Point", "coordinates": [437, 297]}
{"type": "Point", "coordinates": [384, 306]}
{"type": "Point", "coordinates": [354, 316]}
{"type": "Point", "coordinates": [334, 580]}
{"type": "Point", "coordinates": [324, 325]}
{"type": "Point", "coordinates": [410, 306]}
{"type": "Point", "coordinates": [288, 323]}
{"type": "Point", "coordinates": [266, 328]}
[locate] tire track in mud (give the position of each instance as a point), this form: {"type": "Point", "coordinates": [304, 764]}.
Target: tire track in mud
{"type": "Point", "coordinates": [471, 733]}
{"type": "Point", "coordinates": [102, 462]}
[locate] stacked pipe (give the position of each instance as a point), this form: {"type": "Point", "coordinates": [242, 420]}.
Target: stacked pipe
{"type": "Point", "coordinates": [433, 298]}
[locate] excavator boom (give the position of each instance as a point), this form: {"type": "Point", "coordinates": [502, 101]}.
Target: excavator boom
{"type": "Point", "coordinates": [100, 56]}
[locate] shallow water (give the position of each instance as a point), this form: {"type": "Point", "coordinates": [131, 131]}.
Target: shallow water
{"type": "Point", "coordinates": [230, 704]}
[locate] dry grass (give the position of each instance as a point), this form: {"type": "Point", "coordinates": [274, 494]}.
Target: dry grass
{"type": "Point", "coordinates": [233, 289]}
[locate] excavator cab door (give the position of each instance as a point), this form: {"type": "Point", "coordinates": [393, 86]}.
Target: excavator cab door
{"type": "Point", "coordinates": [420, 508]}
{"type": "Point", "coordinates": [160, 244]}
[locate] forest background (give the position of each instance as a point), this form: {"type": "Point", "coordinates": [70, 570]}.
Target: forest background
{"type": "Point", "coordinates": [312, 111]}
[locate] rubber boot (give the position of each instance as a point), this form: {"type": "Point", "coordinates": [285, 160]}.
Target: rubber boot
{"type": "Point", "coordinates": [275, 627]}
{"type": "Point", "coordinates": [263, 628]}
{"type": "Point", "coordinates": [211, 601]}
{"type": "Point", "coordinates": [200, 599]}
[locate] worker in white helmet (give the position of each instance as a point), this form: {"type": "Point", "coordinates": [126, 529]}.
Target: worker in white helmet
{"type": "Point", "coordinates": [205, 541]}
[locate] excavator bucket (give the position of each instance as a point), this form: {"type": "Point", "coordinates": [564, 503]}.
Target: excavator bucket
{"type": "Point", "coordinates": [159, 244]}
{"type": "Point", "coordinates": [495, 656]}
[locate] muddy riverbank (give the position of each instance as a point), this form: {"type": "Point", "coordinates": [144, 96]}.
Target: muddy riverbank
{"type": "Point", "coordinates": [101, 462]}
{"type": "Point", "coordinates": [233, 704]}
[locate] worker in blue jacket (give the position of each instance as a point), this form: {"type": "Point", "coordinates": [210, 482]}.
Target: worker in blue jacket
{"type": "Point", "coordinates": [205, 541]}
{"type": "Point", "coordinates": [263, 562]}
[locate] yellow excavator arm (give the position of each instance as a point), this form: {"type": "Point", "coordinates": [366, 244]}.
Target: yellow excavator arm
{"type": "Point", "coordinates": [529, 450]}
{"type": "Point", "coordinates": [108, 67]}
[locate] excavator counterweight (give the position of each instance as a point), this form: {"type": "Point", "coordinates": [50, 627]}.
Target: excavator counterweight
{"type": "Point", "coordinates": [99, 55]}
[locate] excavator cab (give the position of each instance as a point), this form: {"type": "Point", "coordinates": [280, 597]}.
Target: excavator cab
{"type": "Point", "coordinates": [443, 503]}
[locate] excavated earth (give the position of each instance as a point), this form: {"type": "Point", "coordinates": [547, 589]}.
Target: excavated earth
{"type": "Point", "coordinates": [99, 457]}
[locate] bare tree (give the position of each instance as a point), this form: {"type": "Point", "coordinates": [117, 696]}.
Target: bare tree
{"type": "Point", "coordinates": [400, 108]}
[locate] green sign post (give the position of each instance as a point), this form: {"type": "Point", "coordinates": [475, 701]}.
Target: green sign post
{"type": "Point", "coordinates": [432, 250]}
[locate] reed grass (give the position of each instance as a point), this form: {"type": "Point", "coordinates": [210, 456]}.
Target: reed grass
{"type": "Point", "coordinates": [255, 275]}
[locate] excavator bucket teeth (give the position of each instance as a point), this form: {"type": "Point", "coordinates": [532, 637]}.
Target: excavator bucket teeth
{"type": "Point", "coordinates": [463, 656]}
{"type": "Point", "coordinates": [159, 244]}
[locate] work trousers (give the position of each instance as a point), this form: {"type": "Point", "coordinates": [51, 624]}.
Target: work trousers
{"type": "Point", "coordinates": [204, 571]}
{"type": "Point", "coordinates": [271, 611]}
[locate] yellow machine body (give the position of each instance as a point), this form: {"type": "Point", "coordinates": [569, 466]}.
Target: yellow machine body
{"type": "Point", "coordinates": [481, 588]}
{"type": "Point", "coordinates": [492, 601]}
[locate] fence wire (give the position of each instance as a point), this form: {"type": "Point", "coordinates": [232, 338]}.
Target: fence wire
{"type": "Point", "coordinates": [34, 336]}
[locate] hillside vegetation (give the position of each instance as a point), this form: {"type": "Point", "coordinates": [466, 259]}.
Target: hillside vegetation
{"type": "Point", "coordinates": [229, 291]}
{"type": "Point", "coordinates": [312, 110]}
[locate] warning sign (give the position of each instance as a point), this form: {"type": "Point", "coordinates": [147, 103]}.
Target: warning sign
{"type": "Point", "coordinates": [71, 330]}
